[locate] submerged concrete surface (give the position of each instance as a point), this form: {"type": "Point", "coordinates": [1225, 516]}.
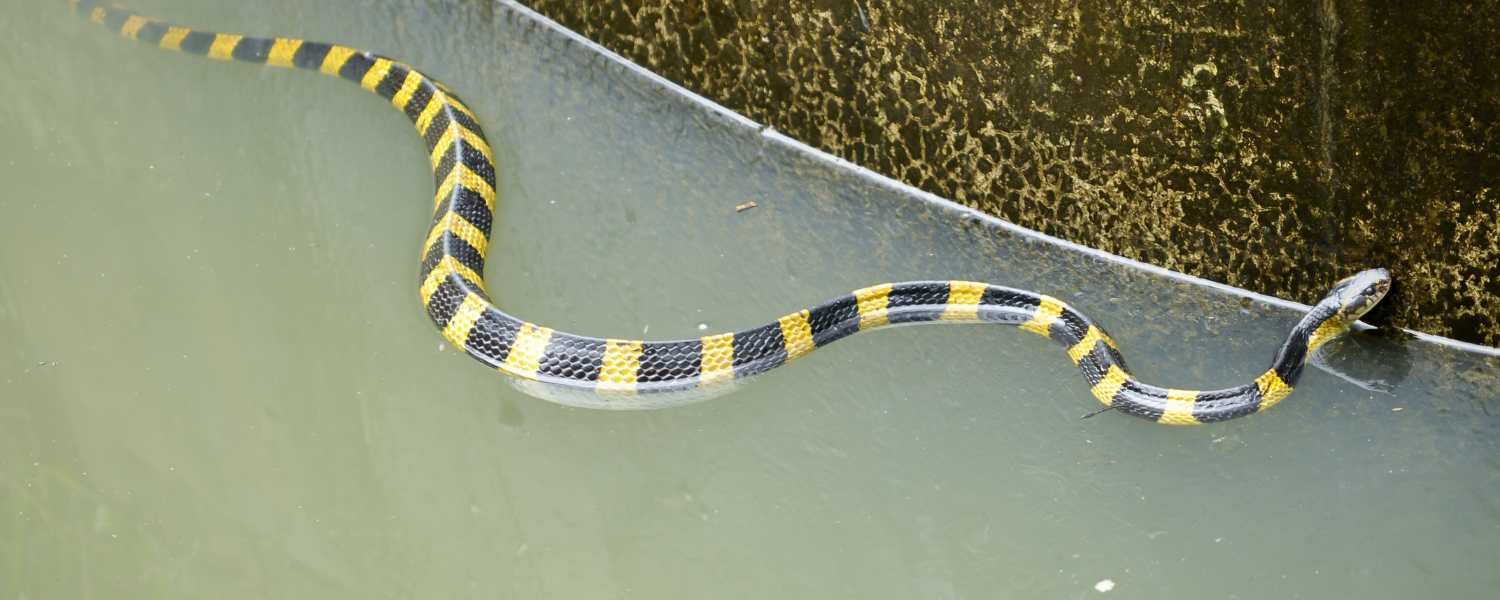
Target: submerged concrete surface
{"type": "Point", "coordinates": [1277, 147]}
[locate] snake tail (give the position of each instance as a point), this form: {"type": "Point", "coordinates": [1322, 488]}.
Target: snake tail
{"type": "Point", "coordinates": [624, 373]}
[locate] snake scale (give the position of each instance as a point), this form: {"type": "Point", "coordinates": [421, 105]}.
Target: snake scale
{"type": "Point", "coordinates": [616, 373]}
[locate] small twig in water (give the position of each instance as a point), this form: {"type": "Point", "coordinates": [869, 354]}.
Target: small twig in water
{"type": "Point", "coordinates": [1105, 409]}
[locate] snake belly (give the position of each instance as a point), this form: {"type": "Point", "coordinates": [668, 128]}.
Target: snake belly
{"type": "Point", "coordinates": [617, 373]}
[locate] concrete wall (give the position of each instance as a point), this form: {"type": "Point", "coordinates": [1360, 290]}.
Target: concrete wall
{"type": "Point", "coordinates": [1275, 146]}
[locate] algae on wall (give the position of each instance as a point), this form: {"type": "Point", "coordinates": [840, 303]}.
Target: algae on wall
{"type": "Point", "coordinates": [1273, 146]}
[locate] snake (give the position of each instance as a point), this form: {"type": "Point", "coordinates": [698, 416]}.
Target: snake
{"type": "Point", "coordinates": [611, 373]}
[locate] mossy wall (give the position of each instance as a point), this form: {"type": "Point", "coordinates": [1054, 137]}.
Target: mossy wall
{"type": "Point", "coordinates": [1275, 146]}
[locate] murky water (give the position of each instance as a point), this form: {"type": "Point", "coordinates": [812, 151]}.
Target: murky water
{"type": "Point", "coordinates": [215, 379]}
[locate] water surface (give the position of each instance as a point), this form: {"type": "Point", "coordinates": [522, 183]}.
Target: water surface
{"type": "Point", "coordinates": [215, 378]}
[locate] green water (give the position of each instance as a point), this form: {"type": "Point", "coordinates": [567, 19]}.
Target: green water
{"type": "Point", "coordinates": [216, 380]}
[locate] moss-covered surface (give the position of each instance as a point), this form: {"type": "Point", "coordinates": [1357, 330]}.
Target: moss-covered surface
{"type": "Point", "coordinates": [1276, 147]}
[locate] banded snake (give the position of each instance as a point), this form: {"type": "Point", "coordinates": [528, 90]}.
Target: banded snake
{"type": "Point", "coordinates": [617, 373]}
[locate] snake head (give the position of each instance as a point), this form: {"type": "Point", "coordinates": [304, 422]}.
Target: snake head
{"type": "Point", "coordinates": [1358, 293]}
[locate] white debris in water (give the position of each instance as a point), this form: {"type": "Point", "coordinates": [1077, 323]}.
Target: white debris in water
{"type": "Point", "coordinates": [702, 326]}
{"type": "Point", "coordinates": [1104, 585]}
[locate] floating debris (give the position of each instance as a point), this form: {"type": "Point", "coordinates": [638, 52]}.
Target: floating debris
{"type": "Point", "coordinates": [1398, 409]}
{"type": "Point", "coordinates": [1104, 585]}
{"type": "Point", "coordinates": [745, 206]}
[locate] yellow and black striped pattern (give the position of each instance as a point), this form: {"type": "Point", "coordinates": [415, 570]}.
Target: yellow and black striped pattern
{"type": "Point", "coordinates": [451, 284]}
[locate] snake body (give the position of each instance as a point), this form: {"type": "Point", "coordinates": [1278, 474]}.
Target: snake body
{"type": "Point", "coordinates": [618, 373]}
